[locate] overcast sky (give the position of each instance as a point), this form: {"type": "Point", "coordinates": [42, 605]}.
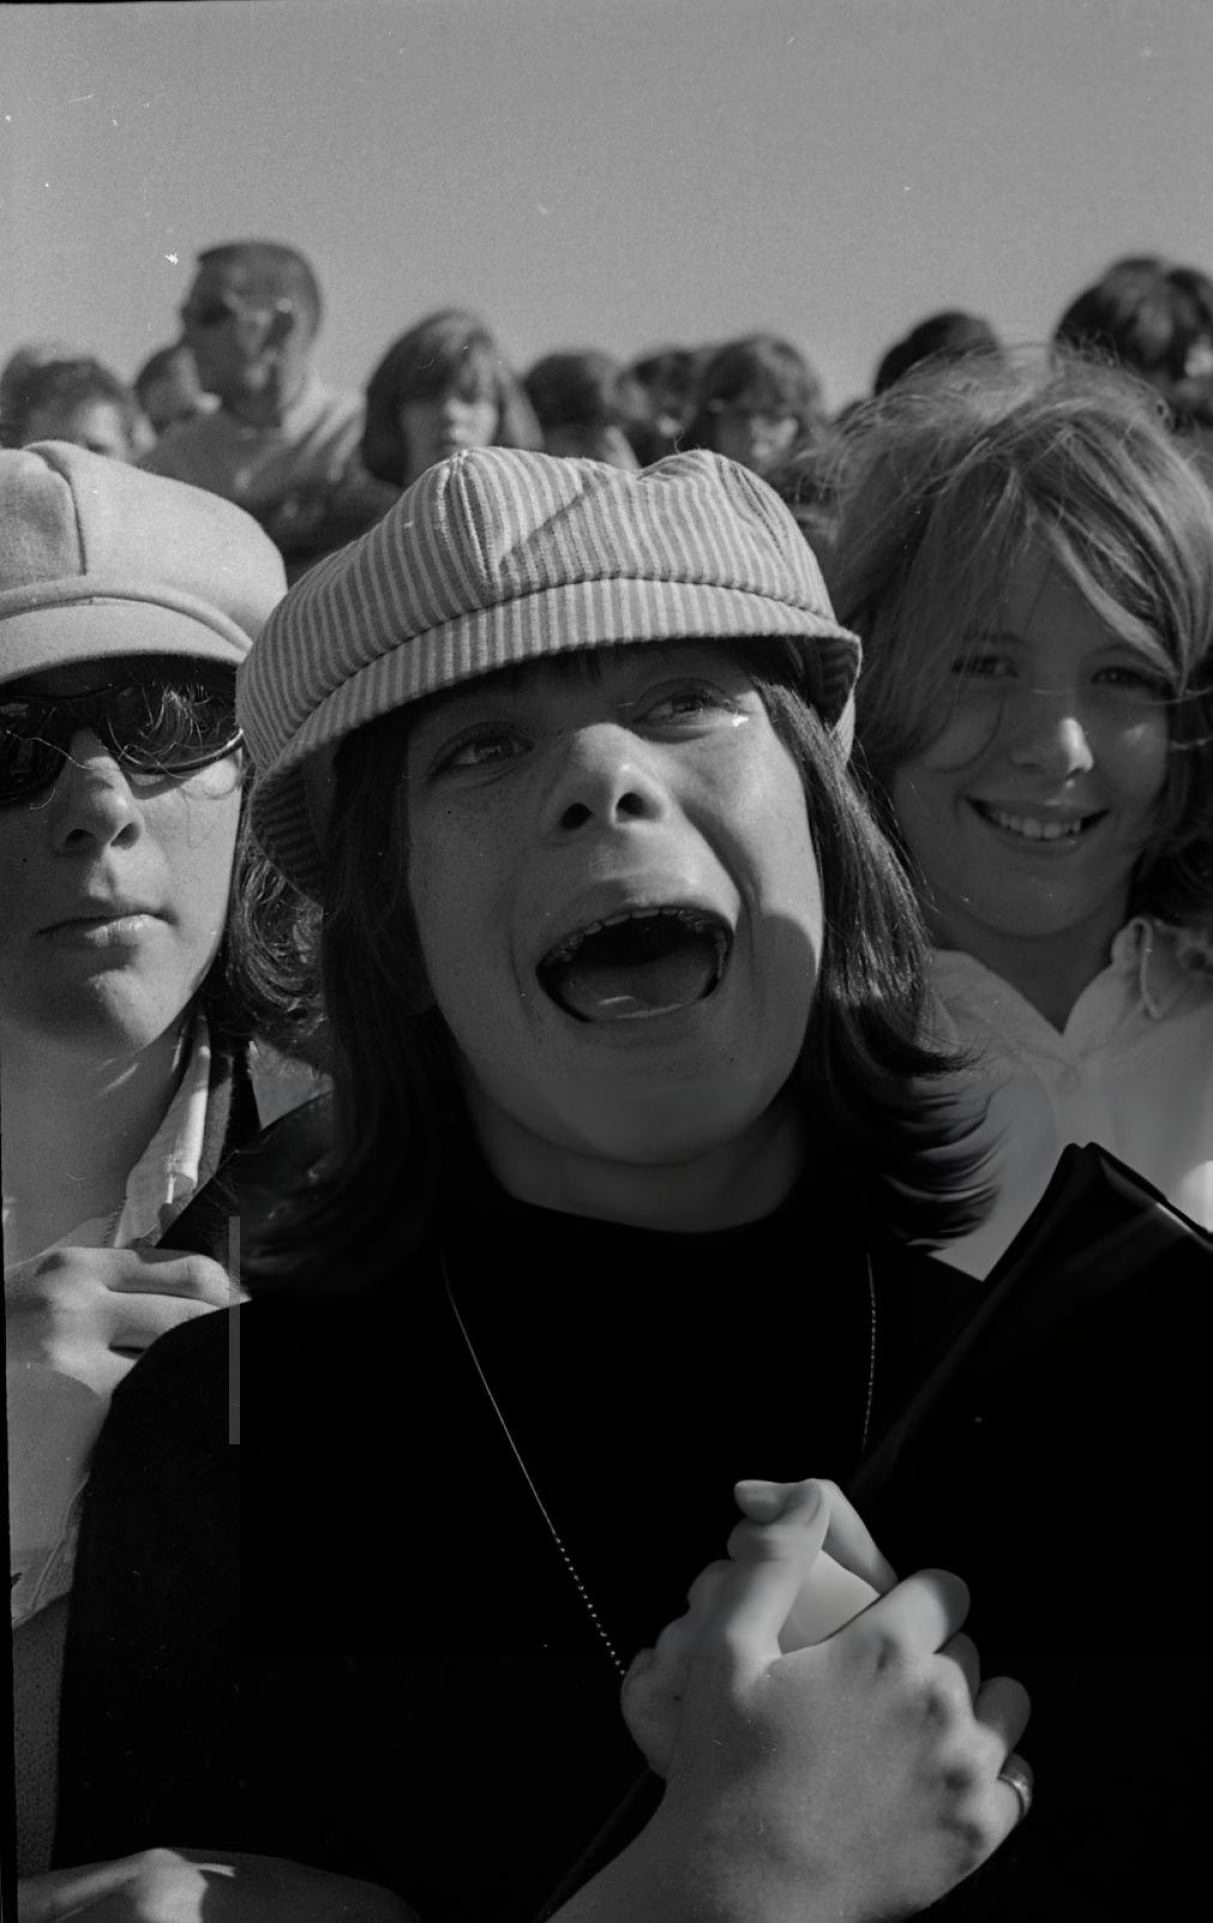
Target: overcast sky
{"type": "Point", "coordinates": [616, 173]}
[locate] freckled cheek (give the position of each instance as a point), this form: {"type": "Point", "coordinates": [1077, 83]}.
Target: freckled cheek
{"type": "Point", "coordinates": [462, 923]}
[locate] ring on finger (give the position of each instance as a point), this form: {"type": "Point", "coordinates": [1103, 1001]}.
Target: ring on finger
{"type": "Point", "coordinates": [1017, 1776]}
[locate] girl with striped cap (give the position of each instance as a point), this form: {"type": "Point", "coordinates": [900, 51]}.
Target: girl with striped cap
{"type": "Point", "coordinates": [624, 987]}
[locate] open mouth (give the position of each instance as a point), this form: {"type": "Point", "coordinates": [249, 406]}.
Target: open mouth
{"type": "Point", "coordinates": [1033, 828]}
{"type": "Point", "coordinates": [644, 962]}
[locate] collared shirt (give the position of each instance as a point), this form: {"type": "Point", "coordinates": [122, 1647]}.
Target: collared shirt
{"type": "Point", "coordinates": [315, 443]}
{"type": "Point", "coordinates": [45, 1484]}
{"type": "Point", "coordinates": [1132, 1070]}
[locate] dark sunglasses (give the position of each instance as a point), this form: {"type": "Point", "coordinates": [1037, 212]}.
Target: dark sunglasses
{"type": "Point", "coordinates": [155, 730]}
{"type": "Point", "coordinates": [220, 308]}
{"type": "Point", "coordinates": [210, 313]}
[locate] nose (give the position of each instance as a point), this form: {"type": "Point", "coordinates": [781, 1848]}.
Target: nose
{"type": "Point", "coordinates": [91, 805]}
{"type": "Point", "coordinates": [603, 780]}
{"type": "Point", "coordinates": [1050, 734]}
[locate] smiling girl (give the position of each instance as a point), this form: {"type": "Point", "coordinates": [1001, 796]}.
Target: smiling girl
{"type": "Point", "coordinates": [1028, 556]}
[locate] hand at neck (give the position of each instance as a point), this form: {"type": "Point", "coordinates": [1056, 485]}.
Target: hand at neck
{"type": "Point", "coordinates": [742, 1181]}
{"type": "Point", "coordinates": [268, 405]}
{"type": "Point", "coordinates": [73, 1129]}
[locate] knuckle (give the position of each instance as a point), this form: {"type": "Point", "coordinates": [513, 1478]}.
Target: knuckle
{"type": "Point", "coordinates": [55, 1261]}
{"type": "Point", "coordinates": [974, 1837]}
{"type": "Point", "coordinates": [211, 1278]}
{"type": "Point", "coordinates": [706, 1584]}
{"type": "Point", "coordinates": [937, 1705]}
{"type": "Point", "coordinates": [945, 1696]}
{"type": "Point", "coordinates": [155, 1857]}
{"type": "Point", "coordinates": [881, 1650]}
{"type": "Point", "coordinates": [962, 1779]}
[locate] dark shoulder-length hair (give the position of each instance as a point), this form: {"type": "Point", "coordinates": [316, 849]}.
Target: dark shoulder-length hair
{"type": "Point", "coordinates": [763, 367]}
{"type": "Point", "coordinates": [452, 349]}
{"type": "Point", "coordinates": [264, 982]}
{"type": "Point", "coordinates": [888, 1142]}
{"type": "Point", "coordinates": [955, 478]}
{"type": "Point", "coordinates": [1156, 318]}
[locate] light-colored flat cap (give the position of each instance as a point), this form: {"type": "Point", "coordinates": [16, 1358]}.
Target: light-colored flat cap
{"type": "Point", "coordinates": [99, 559]}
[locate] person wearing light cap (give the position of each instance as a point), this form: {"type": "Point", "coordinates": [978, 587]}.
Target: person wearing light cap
{"type": "Point", "coordinates": [624, 987]}
{"type": "Point", "coordinates": [128, 988]}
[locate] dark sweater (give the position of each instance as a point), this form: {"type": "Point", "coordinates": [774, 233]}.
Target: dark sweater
{"type": "Point", "coordinates": [412, 1690]}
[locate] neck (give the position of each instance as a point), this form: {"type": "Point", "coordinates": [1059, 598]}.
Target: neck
{"type": "Point", "coordinates": [1049, 971]}
{"type": "Point", "coordinates": [268, 406]}
{"type": "Point", "coordinates": [721, 1189]}
{"type": "Point", "coordinates": [73, 1130]}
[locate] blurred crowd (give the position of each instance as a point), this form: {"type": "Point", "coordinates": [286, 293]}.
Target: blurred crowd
{"type": "Point", "coordinates": [236, 403]}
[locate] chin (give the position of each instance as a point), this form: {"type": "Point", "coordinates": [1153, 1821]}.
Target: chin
{"type": "Point", "coordinates": [667, 1131]}
{"type": "Point", "coordinates": [109, 1029]}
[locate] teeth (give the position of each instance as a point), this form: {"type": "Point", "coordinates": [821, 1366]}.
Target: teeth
{"type": "Point", "coordinates": [1033, 829]}
{"type": "Point", "coordinates": [699, 923]}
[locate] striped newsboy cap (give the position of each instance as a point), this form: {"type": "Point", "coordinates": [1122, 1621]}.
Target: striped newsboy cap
{"type": "Point", "coordinates": [497, 557]}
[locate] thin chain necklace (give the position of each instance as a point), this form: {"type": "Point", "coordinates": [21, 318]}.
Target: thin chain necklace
{"type": "Point", "coordinates": [566, 1559]}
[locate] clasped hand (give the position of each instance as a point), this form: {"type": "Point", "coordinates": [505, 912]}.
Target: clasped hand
{"type": "Point", "coordinates": [853, 1777]}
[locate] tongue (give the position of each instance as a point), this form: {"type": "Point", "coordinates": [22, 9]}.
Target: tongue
{"type": "Point", "coordinates": [616, 991]}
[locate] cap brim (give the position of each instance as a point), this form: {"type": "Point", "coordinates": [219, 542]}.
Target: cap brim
{"type": "Point", "coordinates": [291, 801]}
{"type": "Point", "coordinates": [96, 630]}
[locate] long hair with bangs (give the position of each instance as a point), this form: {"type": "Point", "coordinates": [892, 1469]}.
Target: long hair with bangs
{"type": "Point", "coordinates": [951, 481]}
{"type": "Point", "coordinates": [449, 350]}
{"type": "Point", "coordinates": [885, 1145]}
{"type": "Point", "coordinates": [772, 370]}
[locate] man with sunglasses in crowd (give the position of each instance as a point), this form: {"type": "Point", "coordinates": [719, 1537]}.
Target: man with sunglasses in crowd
{"type": "Point", "coordinates": [126, 605]}
{"type": "Point", "coordinates": [280, 443]}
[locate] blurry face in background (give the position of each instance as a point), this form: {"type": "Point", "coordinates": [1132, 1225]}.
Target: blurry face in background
{"type": "Point", "coordinates": [753, 431]}
{"type": "Point", "coordinates": [173, 396]}
{"type": "Point", "coordinates": [609, 444]}
{"type": "Point", "coordinates": [442, 424]}
{"type": "Point", "coordinates": [239, 325]}
{"type": "Point", "coordinates": [96, 424]}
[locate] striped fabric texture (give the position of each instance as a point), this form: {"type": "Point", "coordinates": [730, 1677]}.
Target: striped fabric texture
{"type": "Point", "coordinates": [497, 557]}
